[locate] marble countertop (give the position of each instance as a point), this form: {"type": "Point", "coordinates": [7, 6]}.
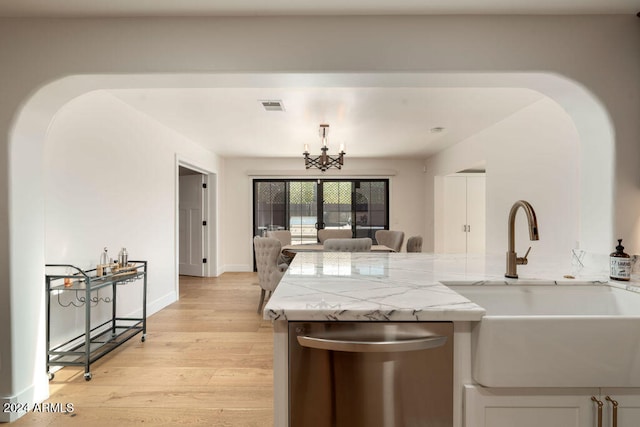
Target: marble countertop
{"type": "Point", "coordinates": [343, 286]}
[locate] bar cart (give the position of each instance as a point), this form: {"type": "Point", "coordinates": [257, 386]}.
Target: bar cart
{"type": "Point", "coordinates": [72, 286]}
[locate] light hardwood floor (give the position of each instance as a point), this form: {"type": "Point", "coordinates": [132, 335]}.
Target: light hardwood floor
{"type": "Point", "coordinates": [207, 361]}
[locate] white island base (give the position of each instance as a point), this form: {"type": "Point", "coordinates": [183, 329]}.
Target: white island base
{"type": "Point", "coordinates": [408, 287]}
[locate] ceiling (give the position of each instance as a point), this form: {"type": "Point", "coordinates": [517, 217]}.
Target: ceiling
{"type": "Point", "coordinates": [371, 122]}
{"type": "Point", "coordinates": [121, 8]}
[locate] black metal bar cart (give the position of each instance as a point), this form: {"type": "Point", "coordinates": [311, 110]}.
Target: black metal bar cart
{"type": "Point", "coordinates": [72, 286]}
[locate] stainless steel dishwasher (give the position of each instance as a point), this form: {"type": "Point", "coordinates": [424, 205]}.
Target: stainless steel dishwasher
{"type": "Point", "coordinates": [387, 374]}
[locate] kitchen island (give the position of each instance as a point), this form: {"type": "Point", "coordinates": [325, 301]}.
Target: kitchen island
{"type": "Point", "coordinates": [404, 287]}
{"type": "Point", "coordinates": [345, 286]}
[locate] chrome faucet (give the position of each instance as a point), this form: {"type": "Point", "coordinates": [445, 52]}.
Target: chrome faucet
{"type": "Point", "coordinates": [512, 258]}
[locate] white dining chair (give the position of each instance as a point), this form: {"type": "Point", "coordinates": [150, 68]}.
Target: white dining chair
{"type": "Point", "coordinates": [362, 244]}
{"type": "Point", "coordinates": [267, 250]}
{"type": "Point", "coordinates": [414, 244]}
{"type": "Point", "coordinates": [283, 235]}
{"type": "Point", "coordinates": [333, 233]}
{"type": "Point", "coordinates": [391, 239]}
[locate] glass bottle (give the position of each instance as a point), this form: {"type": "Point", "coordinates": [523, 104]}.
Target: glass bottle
{"type": "Point", "coordinates": [104, 263]}
{"type": "Point", "coordinates": [620, 263]}
{"type": "Point", "coordinates": [67, 280]}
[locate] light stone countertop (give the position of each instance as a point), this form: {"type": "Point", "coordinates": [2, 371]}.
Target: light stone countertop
{"type": "Point", "coordinates": [343, 286]}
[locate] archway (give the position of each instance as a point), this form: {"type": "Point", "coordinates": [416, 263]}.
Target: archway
{"type": "Point", "coordinates": [30, 128]}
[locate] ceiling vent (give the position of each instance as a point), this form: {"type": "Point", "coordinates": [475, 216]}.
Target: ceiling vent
{"type": "Point", "coordinates": [272, 105]}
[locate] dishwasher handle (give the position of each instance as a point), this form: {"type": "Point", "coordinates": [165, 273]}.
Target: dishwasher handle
{"type": "Point", "coordinates": [421, 343]}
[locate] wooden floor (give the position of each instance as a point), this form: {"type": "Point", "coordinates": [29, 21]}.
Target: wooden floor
{"type": "Point", "coordinates": [207, 361]}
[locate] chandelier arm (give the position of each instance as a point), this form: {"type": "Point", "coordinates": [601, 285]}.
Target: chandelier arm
{"type": "Point", "coordinates": [330, 162]}
{"type": "Point", "coordinates": [310, 161]}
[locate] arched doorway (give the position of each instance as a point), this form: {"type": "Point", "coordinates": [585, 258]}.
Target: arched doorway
{"type": "Point", "coordinates": [30, 129]}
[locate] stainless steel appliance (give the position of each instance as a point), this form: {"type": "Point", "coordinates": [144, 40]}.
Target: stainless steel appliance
{"type": "Point", "coordinates": [387, 374]}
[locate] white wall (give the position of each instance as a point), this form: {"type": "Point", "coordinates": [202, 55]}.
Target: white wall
{"type": "Point", "coordinates": [110, 180]}
{"type": "Point", "coordinates": [99, 126]}
{"type": "Point", "coordinates": [406, 189]}
{"type": "Point", "coordinates": [534, 155]}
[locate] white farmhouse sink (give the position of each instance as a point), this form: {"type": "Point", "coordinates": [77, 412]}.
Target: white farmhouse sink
{"type": "Point", "coordinates": [549, 335]}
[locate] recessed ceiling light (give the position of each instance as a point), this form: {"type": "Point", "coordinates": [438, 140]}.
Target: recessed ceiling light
{"type": "Point", "coordinates": [272, 104]}
{"type": "Point", "coordinates": [436, 129]}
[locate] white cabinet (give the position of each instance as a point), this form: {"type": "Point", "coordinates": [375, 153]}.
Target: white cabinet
{"type": "Point", "coordinates": [501, 407]}
{"type": "Point", "coordinates": [621, 405]}
{"type": "Point", "coordinates": [551, 407]}
{"type": "Point", "coordinates": [463, 214]}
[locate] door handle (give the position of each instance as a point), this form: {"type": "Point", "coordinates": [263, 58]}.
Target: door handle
{"type": "Point", "coordinates": [614, 411]}
{"type": "Point", "coordinates": [421, 343]}
{"type": "Point", "coordinates": [599, 413]}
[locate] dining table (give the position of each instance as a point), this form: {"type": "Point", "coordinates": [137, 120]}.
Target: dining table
{"type": "Point", "coordinates": [319, 247]}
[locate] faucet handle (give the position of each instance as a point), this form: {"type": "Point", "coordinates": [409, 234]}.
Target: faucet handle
{"type": "Point", "coordinates": [523, 260]}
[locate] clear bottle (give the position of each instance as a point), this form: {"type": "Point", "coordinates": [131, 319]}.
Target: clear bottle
{"type": "Point", "coordinates": [103, 264]}
{"type": "Point", "coordinates": [620, 264]}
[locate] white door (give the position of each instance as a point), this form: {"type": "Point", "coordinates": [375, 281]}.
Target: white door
{"type": "Point", "coordinates": [455, 215]}
{"type": "Point", "coordinates": [476, 214]}
{"type": "Point", "coordinates": [191, 227]}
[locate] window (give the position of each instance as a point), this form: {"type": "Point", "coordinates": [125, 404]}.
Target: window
{"type": "Point", "coordinates": [304, 206]}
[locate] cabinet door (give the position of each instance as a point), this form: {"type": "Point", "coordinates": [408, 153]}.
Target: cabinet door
{"type": "Point", "coordinates": [485, 407]}
{"type": "Point", "coordinates": [464, 214]}
{"type": "Point", "coordinates": [455, 215]}
{"type": "Point", "coordinates": [476, 214]}
{"type": "Point", "coordinates": [628, 400]}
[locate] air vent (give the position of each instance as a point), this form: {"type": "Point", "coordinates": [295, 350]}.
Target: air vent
{"type": "Point", "coordinates": [272, 105]}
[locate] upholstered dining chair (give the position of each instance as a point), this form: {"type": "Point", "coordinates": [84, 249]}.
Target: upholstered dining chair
{"type": "Point", "coordinates": [283, 235]}
{"type": "Point", "coordinates": [333, 233]}
{"type": "Point", "coordinates": [414, 244]}
{"type": "Point", "coordinates": [361, 244]}
{"type": "Point", "coordinates": [390, 238]}
{"type": "Point", "coordinates": [270, 272]}
{"type": "Point", "coordinates": [285, 239]}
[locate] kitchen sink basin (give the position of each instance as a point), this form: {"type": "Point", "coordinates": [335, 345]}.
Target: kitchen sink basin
{"type": "Point", "coordinates": [554, 335]}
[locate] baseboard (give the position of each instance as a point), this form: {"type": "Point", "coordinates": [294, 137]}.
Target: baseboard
{"type": "Point", "coordinates": [237, 268]}
{"type": "Point", "coordinates": [160, 303]}
{"type": "Point", "coordinates": [14, 407]}
{"type": "Point", "coordinates": [156, 305]}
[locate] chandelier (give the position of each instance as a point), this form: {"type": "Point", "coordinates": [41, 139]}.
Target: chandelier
{"type": "Point", "coordinates": [324, 161]}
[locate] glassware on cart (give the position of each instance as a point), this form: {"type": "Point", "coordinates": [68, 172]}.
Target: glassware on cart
{"type": "Point", "coordinates": [101, 269]}
{"type": "Point", "coordinates": [123, 258]}
{"type": "Point", "coordinates": [67, 280]}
